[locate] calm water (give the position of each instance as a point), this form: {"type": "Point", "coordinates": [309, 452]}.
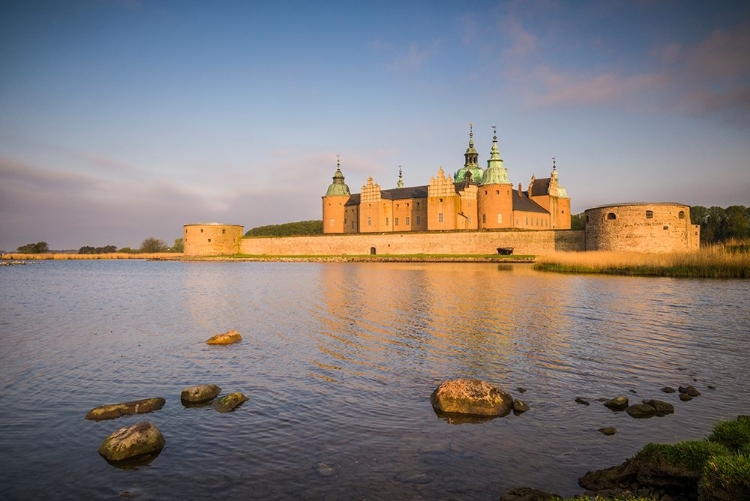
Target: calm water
{"type": "Point", "coordinates": [339, 361]}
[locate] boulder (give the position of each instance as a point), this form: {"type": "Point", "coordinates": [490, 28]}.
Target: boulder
{"type": "Point", "coordinates": [471, 397]}
{"type": "Point", "coordinates": [228, 337]}
{"type": "Point", "coordinates": [528, 494]}
{"type": "Point", "coordinates": [132, 442]}
{"type": "Point", "coordinates": [689, 390]}
{"type": "Point", "coordinates": [520, 406]}
{"type": "Point", "coordinates": [668, 389]}
{"type": "Point", "coordinates": [619, 403]}
{"type": "Point", "coordinates": [608, 430]}
{"type": "Point", "coordinates": [662, 408]}
{"type": "Point", "coordinates": [641, 411]}
{"type": "Point", "coordinates": [199, 394]}
{"type": "Point", "coordinates": [685, 397]}
{"type": "Point", "coordinates": [230, 402]}
{"type": "Point", "coordinates": [113, 411]}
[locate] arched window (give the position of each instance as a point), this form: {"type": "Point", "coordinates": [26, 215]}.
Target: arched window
{"type": "Point", "coordinates": [649, 214]}
{"type": "Point", "coordinates": [682, 214]}
{"type": "Point", "coordinates": [611, 216]}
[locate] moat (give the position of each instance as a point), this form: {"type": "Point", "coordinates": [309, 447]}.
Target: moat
{"type": "Point", "coordinates": [339, 360]}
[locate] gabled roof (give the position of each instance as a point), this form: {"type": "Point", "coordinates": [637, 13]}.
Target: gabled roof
{"type": "Point", "coordinates": [526, 204]}
{"type": "Point", "coordinates": [540, 187]}
{"type": "Point", "coordinates": [403, 193]}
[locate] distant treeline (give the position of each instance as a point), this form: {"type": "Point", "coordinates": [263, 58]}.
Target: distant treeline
{"type": "Point", "coordinates": [287, 229]}
{"type": "Point", "coordinates": [717, 224]}
{"type": "Point", "coordinates": [107, 249]}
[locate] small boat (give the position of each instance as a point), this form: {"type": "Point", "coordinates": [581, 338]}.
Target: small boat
{"type": "Point", "coordinates": [505, 251]}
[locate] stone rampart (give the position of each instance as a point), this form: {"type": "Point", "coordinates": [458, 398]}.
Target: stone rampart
{"type": "Point", "coordinates": [641, 227]}
{"type": "Point", "coordinates": [468, 242]}
{"type": "Point", "coordinates": [211, 239]}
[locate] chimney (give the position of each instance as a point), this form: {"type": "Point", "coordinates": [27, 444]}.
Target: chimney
{"type": "Point", "coordinates": [520, 190]}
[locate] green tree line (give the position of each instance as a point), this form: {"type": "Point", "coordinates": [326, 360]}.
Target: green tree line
{"type": "Point", "coordinates": [719, 225]}
{"type": "Point", "coordinates": [287, 229]}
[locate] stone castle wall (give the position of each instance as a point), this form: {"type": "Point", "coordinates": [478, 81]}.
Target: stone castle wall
{"type": "Point", "coordinates": [641, 227]}
{"type": "Point", "coordinates": [211, 239]}
{"type": "Point", "coordinates": [480, 242]}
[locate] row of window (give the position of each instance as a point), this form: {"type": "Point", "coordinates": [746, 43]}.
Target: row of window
{"type": "Point", "coordinates": [649, 215]}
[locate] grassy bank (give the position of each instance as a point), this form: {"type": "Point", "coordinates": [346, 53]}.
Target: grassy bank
{"type": "Point", "coordinates": [50, 256]}
{"type": "Point", "coordinates": [379, 258]}
{"type": "Point", "coordinates": [717, 261]}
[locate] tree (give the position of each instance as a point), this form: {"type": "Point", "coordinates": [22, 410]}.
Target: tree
{"type": "Point", "coordinates": [152, 245]}
{"type": "Point", "coordinates": [287, 229]}
{"type": "Point", "coordinates": [178, 246]}
{"type": "Point", "coordinates": [737, 222]}
{"type": "Point", "coordinates": [37, 248]}
{"type": "Point", "coordinates": [577, 221]}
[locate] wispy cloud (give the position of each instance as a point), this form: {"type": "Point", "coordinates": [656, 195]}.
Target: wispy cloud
{"type": "Point", "coordinates": [414, 57]}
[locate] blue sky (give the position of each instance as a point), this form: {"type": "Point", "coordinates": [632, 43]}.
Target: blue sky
{"type": "Point", "coordinates": [122, 120]}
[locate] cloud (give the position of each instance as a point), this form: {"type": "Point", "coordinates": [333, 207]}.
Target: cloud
{"type": "Point", "coordinates": [414, 57]}
{"type": "Point", "coordinates": [523, 43]}
{"type": "Point", "coordinates": [552, 89]}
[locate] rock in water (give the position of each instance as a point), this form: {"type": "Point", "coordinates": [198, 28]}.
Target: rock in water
{"type": "Point", "coordinates": [581, 400]}
{"type": "Point", "coordinates": [617, 404]}
{"type": "Point", "coordinates": [608, 430]}
{"type": "Point", "coordinates": [199, 394]}
{"type": "Point", "coordinates": [113, 411]}
{"type": "Point", "coordinates": [471, 397]}
{"type": "Point", "coordinates": [528, 494]}
{"type": "Point", "coordinates": [641, 411]}
{"type": "Point", "coordinates": [520, 406]}
{"type": "Point", "coordinates": [662, 408]}
{"type": "Point", "coordinates": [228, 337]}
{"type": "Point", "coordinates": [132, 442]}
{"type": "Point", "coordinates": [230, 402]}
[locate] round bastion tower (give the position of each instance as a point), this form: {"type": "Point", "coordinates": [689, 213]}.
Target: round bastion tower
{"type": "Point", "coordinates": [334, 201]}
{"type": "Point", "coordinates": [495, 194]}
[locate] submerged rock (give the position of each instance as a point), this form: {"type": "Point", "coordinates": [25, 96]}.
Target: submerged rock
{"type": "Point", "coordinates": [608, 430]}
{"type": "Point", "coordinates": [520, 406]}
{"type": "Point", "coordinates": [619, 403]}
{"type": "Point", "coordinates": [662, 408]}
{"type": "Point", "coordinates": [132, 442]}
{"type": "Point", "coordinates": [230, 402]}
{"type": "Point", "coordinates": [668, 389]}
{"type": "Point", "coordinates": [685, 397]}
{"type": "Point", "coordinates": [582, 401]}
{"type": "Point", "coordinates": [228, 337]}
{"type": "Point", "coordinates": [113, 411]}
{"type": "Point", "coordinates": [689, 390]}
{"type": "Point", "coordinates": [528, 494]}
{"type": "Point", "coordinates": [199, 394]}
{"type": "Point", "coordinates": [471, 397]}
{"type": "Point", "coordinates": [641, 411]}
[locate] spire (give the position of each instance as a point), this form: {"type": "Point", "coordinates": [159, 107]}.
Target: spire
{"type": "Point", "coordinates": [400, 178]}
{"type": "Point", "coordinates": [471, 161]}
{"type": "Point", "coordinates": [495, 172]}
{"type": "Point", "coordinates": [338, 187]}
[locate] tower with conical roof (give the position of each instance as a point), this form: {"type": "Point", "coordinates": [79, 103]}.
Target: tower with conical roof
{"type": "Point", "coordinates": [495, 193]}
{"type": "Point", "coordinates": [548, 193]}
{"type": "Point", "coordinates": [334, 203]}
{"type": "Point", "coordinates": [471, 163]}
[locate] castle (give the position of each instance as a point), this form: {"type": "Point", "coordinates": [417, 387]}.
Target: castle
{"type": "Point", "coordinates": [475, 211]}
{"type": "Point", "coordinates": [474, 199]}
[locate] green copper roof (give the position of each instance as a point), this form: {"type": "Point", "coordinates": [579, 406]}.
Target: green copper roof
{"type": "Point", "coordinates": [471, 162]}
{"type": "Point", "coordinates": [338, 187]}
{"type": "Point", "coordinates": [495, 173]}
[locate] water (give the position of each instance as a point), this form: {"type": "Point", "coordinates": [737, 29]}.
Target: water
{"type": "Point", "coordinates": [339, 361]}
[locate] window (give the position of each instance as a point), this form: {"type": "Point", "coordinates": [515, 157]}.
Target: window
{"type": "Point", "coordinates": [330, 223]}
{"type": "Point", "coordinates": [485, 192]}
{"type": "Point", "coordinates": [352, 223]}
{"type": "Point", "coordinates": [387, 220]}
{"type": "Point", "coordinates": [406, 220]}
{"type": "Point", "coordinates": [369, 221]}
{"type": "Point", "coordinates": [209, 240]}
{"type": "Point", "coordinates": [223, 231]}
{"type": "Point", "coordinates": [469, 203]}
{"type": "Point", "coordinates": [468, 219]}
{"type": "Point", "coordinates": [527, 220]}
{"type": "Point", "coordinates": [682, 214]}
{"type": "Point", "coordinates": [395, 221]}
{"type": "Point", "coordinates": [484, 218]}
{"type": "Point", "coordinates": [611, 216]}
{"type": "Point", "coordinates": [441, 199]}
{"type": "Point", "coordinates": [201, 230]}
{"type": "Point", "coordinates": [497, 192]}
{"type": "Point", "coordinates": [666, 227]}
{"type": "Point", "coordinates": [440, 217]}
{"type": "Point", "coordinates": [499, 219]}
{"type": "Point", "coordinates": [587, 218]}
{"type": "Point", "coordinates": [649, 214]}
{"type": "Point", "coordinates": [419, 219]}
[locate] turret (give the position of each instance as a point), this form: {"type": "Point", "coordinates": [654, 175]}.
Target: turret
{"type": "Point", "coordinates": [334, 201]}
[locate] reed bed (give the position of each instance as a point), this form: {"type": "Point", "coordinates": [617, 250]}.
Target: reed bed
{"type": "Point", "coordinates": [715, 261]}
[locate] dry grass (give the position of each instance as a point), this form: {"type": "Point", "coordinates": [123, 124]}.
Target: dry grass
{"type": "Point", "coordinates": [715, 261]}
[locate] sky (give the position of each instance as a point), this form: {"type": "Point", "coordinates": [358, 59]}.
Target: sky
{"type": "Point", "coordinates": [125, 119]}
